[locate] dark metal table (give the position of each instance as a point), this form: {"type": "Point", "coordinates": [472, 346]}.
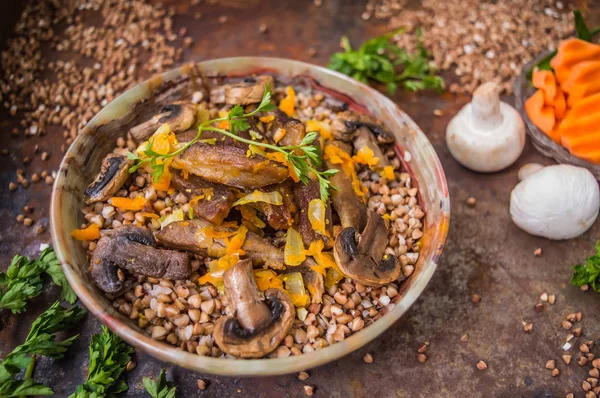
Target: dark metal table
{"type": "Point", "coordinates": [486, 253]}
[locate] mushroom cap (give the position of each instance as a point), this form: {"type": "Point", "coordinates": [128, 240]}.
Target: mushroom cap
{"type": "Point", "coordinates": [132, 247]}
{"type": "Point", "coordinates": [239, 342]}
{"type": "Point", "coordinates": [113, 174]}
{"type": "Point", "coordinates": [248, 91]}
{"type": "Point", "coordinates": [361, 256]}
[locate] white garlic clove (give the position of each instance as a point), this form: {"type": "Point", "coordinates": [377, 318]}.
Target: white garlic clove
{"type": "Point", "coordinates": [556, 202]}
{"type": "Point", "coordinates": [486, 135]}
{"type": "Point", "coordinates": [528, 169]}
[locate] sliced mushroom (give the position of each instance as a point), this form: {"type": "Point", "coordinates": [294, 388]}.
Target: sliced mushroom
{"type": "Point", "coordinates": [180, 116]}
{"type": "Point", "coordinates": [344, 127]}
{"type": "Point", "coordinates": [295, 130]}
{"type": "Point", "coordinates": [215, 199]}
{"type": "Point", "coordinates": [303, 194]}
{"type": "Point", "coordinates": [192, 236]}
{"type": "Point", "coordinates": [361, 256]}
{"type": "Point", "coordinates": [258, 326]}
{"type": "Point", "coordinates": [113, 174]}
{"type": "Point", "coordinates": [364, 138]}
{"type": "Point", "coordinates": [248, 91]}
{"type": "Point", "coordinates": [347, 204]}
{"type": "Point", "coordinates": [279, 217]}
{"type": "Point", "coordinates": [313, 280]}
{"type": "Point", "coordinates": [133, 248]}
{"type": "Point", "coordinates": [230, 165]}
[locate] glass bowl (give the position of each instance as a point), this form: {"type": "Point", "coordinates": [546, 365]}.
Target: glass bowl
{"type": "Point", "coordinates": [82, 161]}
{"type": "Point", "coordinates": [541, 142]}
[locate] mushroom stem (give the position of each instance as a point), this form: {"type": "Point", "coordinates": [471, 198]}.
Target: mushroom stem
{"type": "Point", "coordinates": [251, 312]}
{"type": "Point", "coordinates": [486, 112]}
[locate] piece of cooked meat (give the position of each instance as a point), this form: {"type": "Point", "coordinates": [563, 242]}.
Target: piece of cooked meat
{"type": "Point", "coordinates": [192, 236]}
{"type": "Point", "coordinates": [248, 91]}
{"type": "Point", "coordinates": [279, 217]}
{"type": "Point", "coordinates": [215, 199]}
{"type": "Point", "coordinates": [303, 194]}
{"type": "Point", "coordinates": [230, 165]}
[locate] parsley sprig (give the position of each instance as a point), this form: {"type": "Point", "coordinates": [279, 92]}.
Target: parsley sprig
{"type": "Point", "coordinates": [159, 388]}
{"type": "Point", "coordinates": [588, 273]}
{"type": "Point", "coordinates": [384, 62]}
{"type": "Point", "coordinates": [22, 281]}
{"type": "Point", "coordinates": [41, 340]}
{"type": "Point", "coordinates": [109, 356]}
{"type": "Point", "coordinates": [304, 158]}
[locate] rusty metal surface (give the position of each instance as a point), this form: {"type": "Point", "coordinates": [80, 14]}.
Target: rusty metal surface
{"type": "Point", "coordinates": [486, 254]}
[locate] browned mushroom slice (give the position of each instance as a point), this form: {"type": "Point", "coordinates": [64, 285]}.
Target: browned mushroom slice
{"type": "Point", "coordinates": [258, 326]}
{"type": "Point", "coordinates": [132, 248]}
{"type": "Point", "coordinates": [303, 194]}
{"type": "Point", "coordinates": [113, 174]}
{"type": "Point", "coordinates": [361, 256]}
{"type": "Point", "coordinates": [346, 203]}
{"type": "Point", "coordinates": [179, 116]}
{"type": "Point", "coordinates": [364, 138]}
{"type": "Point", "coordinates": [214, 201]}
{"type": "Point", "coordinates": [193, 236]}
{"type": "Point", "coordinates": [248, 91]}
{"type": "Point", "coordinates": [313, 280]}
{"type": "Point", "coordinates": [295, 130]}
{"type": "Point", "coordinates": [279, 217]}
{"type": "Point", "coordinates": [344, 127]}
{"type": "Point", "coordinates": [230, 165]}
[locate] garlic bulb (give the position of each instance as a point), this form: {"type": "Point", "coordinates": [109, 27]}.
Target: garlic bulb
{"type": "Point", "coordinates": [556, 202]}
{"type": "Point", "coordinates": [487, 135]}
{"type": "Point", "coordinates": [528, 169]}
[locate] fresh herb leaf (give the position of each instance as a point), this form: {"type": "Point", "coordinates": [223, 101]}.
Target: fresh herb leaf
{"type": "Point", "coordinates": [159, 388]}
{"type": "Point", "coordinates": [383, 62]}
{"type": "Point", "coordinates": [109, 356]}
{"type": "Point", "coordinates": [22, 281]}
{"type": "Point", "coordinates": [304, 158]}
{"type": "Point", "coordinates": [588, 273]}
{"type": "Point", "coordinates": [41, 340]}
{"type": "Point", "coordinates": [581, 29]}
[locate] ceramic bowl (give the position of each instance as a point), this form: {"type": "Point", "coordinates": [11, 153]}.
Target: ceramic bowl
{"type": "Point", "coordinates": [82, 162]}
{"type": "Point", "coordinates": [523, 90]}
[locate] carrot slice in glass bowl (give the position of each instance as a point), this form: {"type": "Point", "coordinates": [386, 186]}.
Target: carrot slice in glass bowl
{"type": "Point", "coordinates": [541, 115]}
{"type": "Point", "coordinates": [570, 53]}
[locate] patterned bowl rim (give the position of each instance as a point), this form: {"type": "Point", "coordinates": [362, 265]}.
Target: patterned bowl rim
{"type": "Point", "coordinates": [123, 327]}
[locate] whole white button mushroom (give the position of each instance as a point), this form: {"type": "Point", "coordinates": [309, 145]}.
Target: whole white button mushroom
{"type": "Point", "coordinates": [486, 135]}
{"type": "Point", "coordinates": [556, 202]}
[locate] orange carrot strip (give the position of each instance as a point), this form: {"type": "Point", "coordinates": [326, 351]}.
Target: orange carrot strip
{"type": "Point", "coordinates": [134, 204]}
{"type": "Point", "coordinates": [90, 233]}
{"type": "Point", "coordinates": [542, 116]}
{"type": "Point", "coordinates": [545, 81]}
{"type": "Point", "coordinates": [570, 53]}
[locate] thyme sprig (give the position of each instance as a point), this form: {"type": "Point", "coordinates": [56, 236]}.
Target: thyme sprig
{"type": "Point", "coordinates": [304, 158]}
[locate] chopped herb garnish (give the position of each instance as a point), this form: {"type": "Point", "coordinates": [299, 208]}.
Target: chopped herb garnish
{"type": "Point", "coordinates": [22, 281]}
{"type": "Point", "coordinates": [109, 356]}
{"type": "Point", "coordinates": [588, 273]}
{"type": "Point", "coordinates": [304, 158]}
{"type": "Point", "coordinates": [159, 388]}
{"type": "Point", "coordinates": [383, 62]}
{"type": "Point", "coordinates": [41, 340]}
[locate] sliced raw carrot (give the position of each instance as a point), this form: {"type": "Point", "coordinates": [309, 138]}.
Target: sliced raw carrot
{"type": "Point", "coordinates": [559, 103]}
{"type": "Point", "coordinates": [582, 73]}
{"type": "Point", "coordinates": [588, 106]}
{"type": "Point", "coordinates": [574, 127]}
{"type": "Point", "coordinates": [591, 155]}
{"type": "Point", "coordinates": [583, 91]}
{"type": "Point", "coordinates": [583, 142]}
{"type": "Point", "coordinates": [570, 53]}
{"type": "Point", "coordinates": [545, 81]}
{"type": "Point", "coordinates": [541, 115]}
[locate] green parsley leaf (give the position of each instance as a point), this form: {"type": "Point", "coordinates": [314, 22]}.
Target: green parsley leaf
{"type": "Point", "coordinates": [383, 62]}
{"type": "Point", "coordinates": [159, 388]}
{"type": "Point", "coordinates": [22, 280]}
{"type": "Point", "coordinates": [588, 273]}
{"type": "Point", "coordinates": [109, 356]}
{"type": "Point", "coordinates": [41, 340]}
